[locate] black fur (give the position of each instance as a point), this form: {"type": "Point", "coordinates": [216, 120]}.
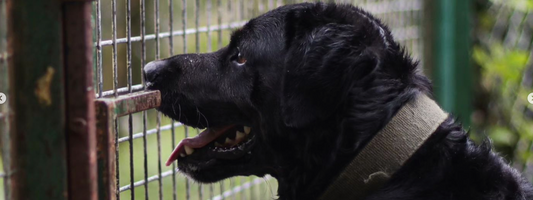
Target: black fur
{"type": "Point", "coordinates": [320, 81]}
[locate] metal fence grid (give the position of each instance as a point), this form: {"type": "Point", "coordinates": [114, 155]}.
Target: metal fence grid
{"type": "Point", "coordinates": [128, 34]}
{"type": "Point", "coordinates": [3, 107]}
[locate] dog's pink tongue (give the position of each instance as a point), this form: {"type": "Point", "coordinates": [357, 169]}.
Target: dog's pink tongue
{"type": "Point", "coordinates": [202, 139]}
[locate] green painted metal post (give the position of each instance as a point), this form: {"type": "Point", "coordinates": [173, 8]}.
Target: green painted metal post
{"type": "Point", "coordinates": [450, 50]}
{"type": "Point", "coordinates": [36, 100]}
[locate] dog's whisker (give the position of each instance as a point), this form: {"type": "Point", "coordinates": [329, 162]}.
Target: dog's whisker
{"type": "Point", "coordinates": [173, 108]}
{"type": "Point", "coordinates": [198, 113]}
{"type": "Point", "coordinates": [179, 113]}
{"type": "Point", "coordinates": [205, 118]}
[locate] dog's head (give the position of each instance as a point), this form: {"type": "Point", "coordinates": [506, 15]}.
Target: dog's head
{"type": "Point", "coordinates": [280, 94]}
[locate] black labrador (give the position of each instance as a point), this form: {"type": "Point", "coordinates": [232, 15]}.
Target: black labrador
{"type": "Point", "coordinates": [298, 93]}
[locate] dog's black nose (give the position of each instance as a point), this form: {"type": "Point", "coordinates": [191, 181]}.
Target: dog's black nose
{"type": "Point", "coordinates": [152, 71]}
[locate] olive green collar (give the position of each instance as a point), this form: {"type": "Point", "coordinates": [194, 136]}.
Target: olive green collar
{"type": "Point", "coordinates": [388, 150]}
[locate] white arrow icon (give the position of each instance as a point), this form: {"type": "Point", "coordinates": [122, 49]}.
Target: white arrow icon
{"type": "Point", "coordinates": [3, 98]}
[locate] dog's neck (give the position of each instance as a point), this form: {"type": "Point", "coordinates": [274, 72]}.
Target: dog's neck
{"type": "Point", "coordinates": [322, 149]}
{"type": "Point", "coordinates": [388, 150]}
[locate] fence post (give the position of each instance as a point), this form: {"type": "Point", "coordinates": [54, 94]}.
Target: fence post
{"type": "Point", "coordinates": [36, 96]}
{"type": "Point", "coordinates": [107, 181]}
{"type": "Point", "coordinates": [80, 95]}
{"type": "Point", "coordinates": [450, 52]}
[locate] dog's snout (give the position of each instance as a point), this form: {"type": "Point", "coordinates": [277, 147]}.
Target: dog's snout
{"type": "Point", "coordinates": [152, 71]}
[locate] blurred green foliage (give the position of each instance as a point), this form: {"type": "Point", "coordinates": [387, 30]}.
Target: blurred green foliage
{"type": "Point", "coordinates": [521, 5]}
{"type": "Point", "coordinates": [501, 75]}
{"type": "Point", "coordinates": [503, 111]}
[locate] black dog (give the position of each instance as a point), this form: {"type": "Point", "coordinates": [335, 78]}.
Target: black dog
{"type": "Point", "coordinates": [298, 93]}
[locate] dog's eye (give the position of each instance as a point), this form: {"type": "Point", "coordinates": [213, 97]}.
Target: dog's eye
{"type": "Point", "coordinates": [240, 59]}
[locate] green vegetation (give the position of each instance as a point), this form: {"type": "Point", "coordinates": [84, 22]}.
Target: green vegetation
{"type": "Point", "coordinates": [503, 54]}
{"type": "Point", "coordinates": [521, 5]}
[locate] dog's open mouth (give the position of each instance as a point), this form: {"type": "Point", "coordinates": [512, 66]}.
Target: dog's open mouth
{"type": "Point", "coordinates": [228, 143]}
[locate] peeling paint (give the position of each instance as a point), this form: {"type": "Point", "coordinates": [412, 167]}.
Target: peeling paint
{"type": "Point", "coordinates": [42, 89]}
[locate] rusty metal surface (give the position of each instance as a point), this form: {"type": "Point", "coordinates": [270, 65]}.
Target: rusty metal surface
{"type": "Point", "coordinates": [37, 112]}
{"type": "Point", "coordinates": [105, 123]}
{"type": "Point", "coordinates": [134, 102]}
{"type": "Point", "coordinates": [80, 112]}
{"type": "Point", "coordinates": [107, 111]}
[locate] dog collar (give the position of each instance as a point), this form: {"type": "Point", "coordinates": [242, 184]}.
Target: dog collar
{"type": "Point", "coordinates": [388, 150]}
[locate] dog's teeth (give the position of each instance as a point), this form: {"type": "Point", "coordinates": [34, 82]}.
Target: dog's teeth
{"type": "Point", "coordinates": [247, 129]}
{"type": "Point", "coordinates": [188, 150]}
{"type": "Point", "coordinates": [228, 141]}
{"type": "Point", "coordinates": [182, 155]}
{"type": "Point", "coordinates": [240, 135]}
{"type": "Point", "coordinates": [217, 144]}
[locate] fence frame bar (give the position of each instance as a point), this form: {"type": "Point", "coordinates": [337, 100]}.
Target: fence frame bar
{"type": "Point", "coordinates": [80, 95]}
{"type": "Point", "coordinates": [105, 122]}
{"type": "Point", "coordinates": [107, 111]}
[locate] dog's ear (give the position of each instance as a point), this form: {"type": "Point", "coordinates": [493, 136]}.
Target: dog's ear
{"type": "Point", "coordinates": [321, 67]}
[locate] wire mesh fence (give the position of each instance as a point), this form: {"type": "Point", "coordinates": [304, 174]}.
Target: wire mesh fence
{"type": "Point", "coordinates": [128, 34]}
